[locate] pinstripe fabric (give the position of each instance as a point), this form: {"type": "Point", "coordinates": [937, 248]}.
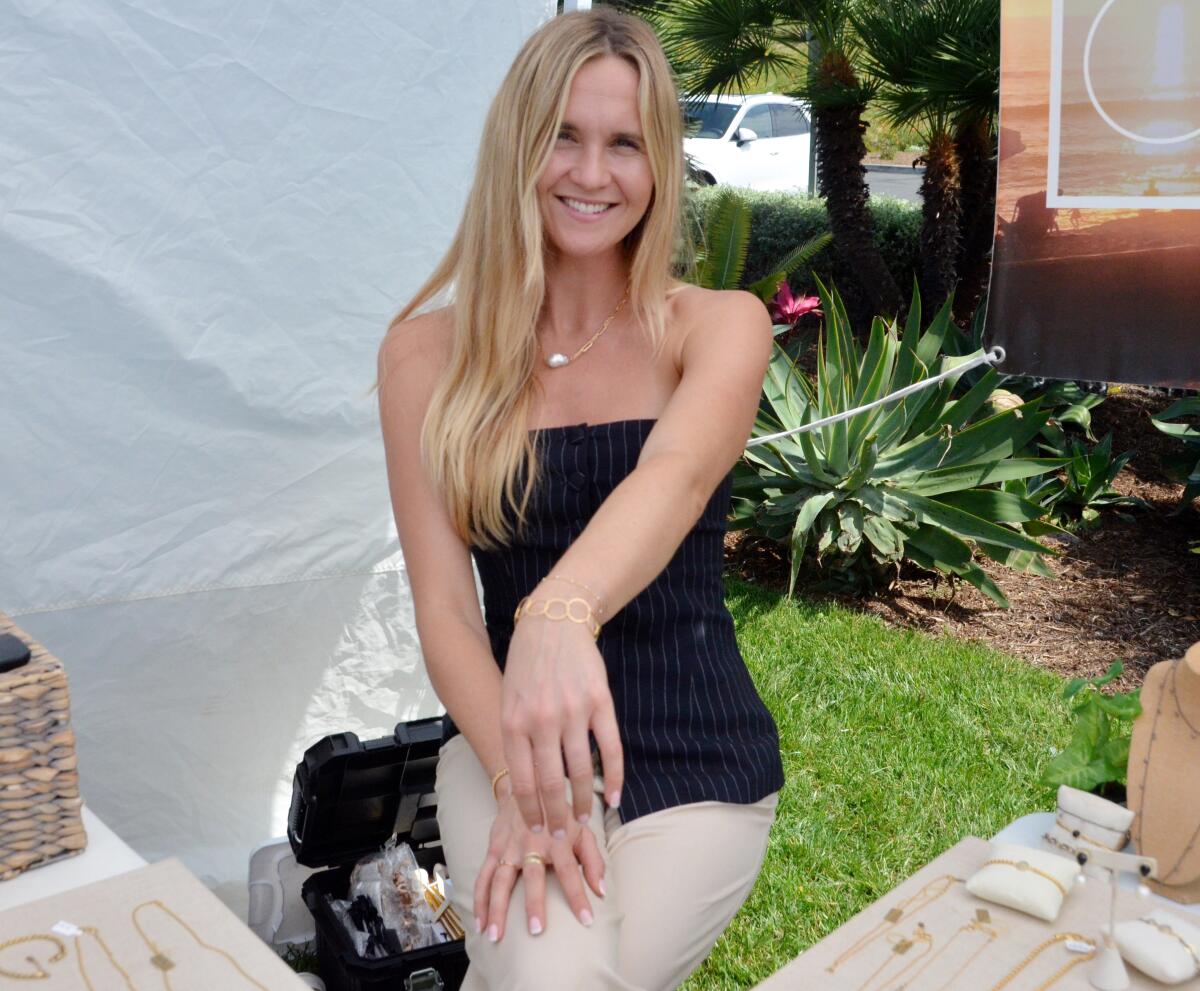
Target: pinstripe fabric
{"type": "Point", "coordinates": [693, 726]}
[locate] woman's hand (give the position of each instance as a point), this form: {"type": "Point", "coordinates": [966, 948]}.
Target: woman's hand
{"type": "Point", "coordinates": [510, 840]}
{"type": "Point", "coordinates": [555, 689]}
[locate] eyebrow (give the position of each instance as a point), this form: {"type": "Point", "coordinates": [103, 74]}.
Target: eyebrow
{"type": "Point", "coordinates": [618, 134]}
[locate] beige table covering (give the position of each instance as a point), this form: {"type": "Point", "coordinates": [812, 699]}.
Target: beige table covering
{"type": "Point", "coordinates": [1085, 909]}
{"type": "Point", "coordinates": [202, 946]}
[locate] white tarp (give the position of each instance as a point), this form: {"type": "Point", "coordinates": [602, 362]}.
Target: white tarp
{"type": "Point", "coordinates": [209, 213]}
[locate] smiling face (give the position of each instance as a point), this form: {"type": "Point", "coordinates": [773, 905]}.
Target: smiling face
{"type": "Point", "coordinates": [598, 182]}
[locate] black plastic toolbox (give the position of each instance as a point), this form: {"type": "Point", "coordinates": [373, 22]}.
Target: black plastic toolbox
{"type": "Point", "coordinates": [348, 797]}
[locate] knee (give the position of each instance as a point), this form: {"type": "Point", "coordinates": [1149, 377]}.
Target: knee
{"type": "Point", "coordinates": [537, 964]}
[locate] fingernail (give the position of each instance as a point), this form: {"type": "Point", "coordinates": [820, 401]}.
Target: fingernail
{"type": "Point", "coordinates": [478, 926]}
{"type": "Point", "coordinates": [536, 829]}
{"type": "Point", "coordinates": [560, 834]}
{"type": "Point", "coordinates": [614, 799]}
{"type": "Point", "coordinates": [535, 925]}
{"type": "Point", "coordinates": [583, 817]}
{"type": "Point", "coordinates": [493, 932]}
{"type": "Point", "coordinates": [585, 917]}
{"type": "Point", "coordinates": [603, 891]}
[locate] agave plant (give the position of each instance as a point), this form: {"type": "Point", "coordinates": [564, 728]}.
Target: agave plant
{"type": "Point", "coordinates": [1085, 486]}
{"type": "Point", "coordinates": [1186, 464]}
{"type": "Point", "coordinates": [912, 478]}
{"type": "Point", "coordinates": [720, 260]}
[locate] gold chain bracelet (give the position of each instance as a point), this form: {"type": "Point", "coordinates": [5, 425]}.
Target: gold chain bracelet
{"type": "Point", "coordinates": [588, 588]}
{"type": "Point", "coordinates": [1079, 834]}
{"type": "Point", "coordinates": [1024, 865]}
{"type": "Point", "coordinates": [1038, 950]}
{"type": "Point", "coordinates": [542, 607]}
{"type": "Point", "coordinates": [41, 975]}
{"type": "Point", "coordinates": [1166, 930]}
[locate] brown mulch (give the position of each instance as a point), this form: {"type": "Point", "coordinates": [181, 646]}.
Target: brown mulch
{"type": "Point", "coordinates": [1125, 589]}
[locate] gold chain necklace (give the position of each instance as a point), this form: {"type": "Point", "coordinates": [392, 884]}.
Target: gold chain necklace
{"type": "Point", "coordinates": [164, 963]}
{"type": "Point", "coordinates": [922, 899]}
{"type": "Point", "coordinates": [900, 948]}
{"type": "Point", "coordinates": [1038, 950]}
{"type": "Point", "coordinates": [978, 924]}
{"type": "Point", "coordinates": [95, 934]}
{"type": "Point", "coordinates": [1139, 819]}
{"type": "Point", "coordinates": [40, 973]}
{"type": "Point", "coordinates": [558, 359]}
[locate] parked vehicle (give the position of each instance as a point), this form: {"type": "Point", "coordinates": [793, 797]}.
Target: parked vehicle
{"type": "Point", "coordinates": [760, 141]}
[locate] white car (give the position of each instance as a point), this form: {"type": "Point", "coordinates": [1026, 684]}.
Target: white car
{"type": "Point", "coordinates": [759, 141]}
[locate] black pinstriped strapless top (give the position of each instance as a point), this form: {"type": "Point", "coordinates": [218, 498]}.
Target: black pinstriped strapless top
{"type": "Point", "coordinates": [692, 724]}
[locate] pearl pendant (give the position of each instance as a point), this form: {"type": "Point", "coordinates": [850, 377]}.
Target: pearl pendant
{"type": "Point", "coordinates": [1143, 890]}
{"type": "Point", "coordinates": [557, 360]}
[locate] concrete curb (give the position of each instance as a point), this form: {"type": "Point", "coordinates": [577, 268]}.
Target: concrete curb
{"type": "Point", "coordinates": [907, 169]}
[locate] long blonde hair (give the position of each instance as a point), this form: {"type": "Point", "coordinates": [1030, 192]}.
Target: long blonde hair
{"type": "Point", "coordinates": [474, 439]}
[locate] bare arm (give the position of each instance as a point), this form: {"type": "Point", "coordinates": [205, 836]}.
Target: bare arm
{"type": "Point", "coordinates": [627, 543]}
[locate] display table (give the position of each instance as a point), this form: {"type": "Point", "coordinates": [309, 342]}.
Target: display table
{"type": "Point", "coordinates": [950, 959]}
{"type": "Point", "coordinates": [105, 855]}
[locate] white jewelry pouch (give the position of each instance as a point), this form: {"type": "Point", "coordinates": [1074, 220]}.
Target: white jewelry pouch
{"type": "Point", "coordinates": [1093, 819]}
{"type": "Point", "coordinates": [1160, 945]}
{"type": "Point", "coordinates": [1031, 881]}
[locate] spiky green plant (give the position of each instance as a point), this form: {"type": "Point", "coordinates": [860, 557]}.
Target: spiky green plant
{"type": "Point", "coordinates": [1186, 464]}
{"type": "Point", "coordinates": [913, 478]}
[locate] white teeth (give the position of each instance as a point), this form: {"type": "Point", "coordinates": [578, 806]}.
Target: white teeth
{"type": "Point", "coordinates": [582, 207]}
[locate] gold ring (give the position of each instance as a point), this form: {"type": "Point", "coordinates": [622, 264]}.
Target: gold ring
{"type": "Point", "coordinates": [507, 863]}
{"type": "Point", "coordinates": [534, 856]}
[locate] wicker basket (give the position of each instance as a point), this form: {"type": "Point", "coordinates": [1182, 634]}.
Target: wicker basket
{"type": "Point", "coordinates": [40, 817]}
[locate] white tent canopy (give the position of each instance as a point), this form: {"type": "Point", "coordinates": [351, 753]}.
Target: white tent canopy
{"type": "Point", "coordinates": [210, 212]}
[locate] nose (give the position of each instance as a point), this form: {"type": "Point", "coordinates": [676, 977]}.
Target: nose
{"type": "Point", "coordinates": [590, 170]}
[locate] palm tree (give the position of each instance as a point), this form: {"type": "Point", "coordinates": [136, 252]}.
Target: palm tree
{"type": "Point", "coordinates": [937, 65]}
{"type": "Point", "coordinates": [720, 45]}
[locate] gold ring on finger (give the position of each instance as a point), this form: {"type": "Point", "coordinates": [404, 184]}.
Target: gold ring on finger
{"type": "Point", "coordinates": [534, 857]}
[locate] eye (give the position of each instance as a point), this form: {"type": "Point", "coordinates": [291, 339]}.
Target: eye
{"type": "Point", "coordinates": [629, 143]}
{"type": "Point", "coordinates": [565, 135]}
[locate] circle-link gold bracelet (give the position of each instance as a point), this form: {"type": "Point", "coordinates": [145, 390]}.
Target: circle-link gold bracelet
{"type": "Point", "coordinates": [542, 607]}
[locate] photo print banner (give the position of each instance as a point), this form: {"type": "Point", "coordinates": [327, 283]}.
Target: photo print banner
{"type": "Point", "coordinates": [1096, 269]}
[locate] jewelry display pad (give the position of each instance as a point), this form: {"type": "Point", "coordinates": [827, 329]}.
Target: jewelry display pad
{"type": "Point", "coordinates": [189, 940]}
{"type": "Point", "coordinates": [1084, 911]}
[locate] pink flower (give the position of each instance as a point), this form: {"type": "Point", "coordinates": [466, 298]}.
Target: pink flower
{"type": "Point", "coordinates": [786, 308]}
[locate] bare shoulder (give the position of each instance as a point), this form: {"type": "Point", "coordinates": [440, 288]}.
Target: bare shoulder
{"type": "Point", "coordinates": [420, 343]}
{"type": "Point", "coordinates": [700, 313]}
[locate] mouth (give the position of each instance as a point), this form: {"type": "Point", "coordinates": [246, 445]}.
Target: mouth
{"type": "Point", "coordinates": [584, 209]}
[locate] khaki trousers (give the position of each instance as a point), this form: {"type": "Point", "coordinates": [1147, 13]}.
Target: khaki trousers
{"type": "Point", "coordinates": [674, 880]}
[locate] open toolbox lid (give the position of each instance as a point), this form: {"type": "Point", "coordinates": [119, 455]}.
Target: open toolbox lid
{"type": "Point", "coordinates": [348, 797]}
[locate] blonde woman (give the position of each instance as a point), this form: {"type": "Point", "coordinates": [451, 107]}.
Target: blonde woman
{"type": "Point", "coordinates": [570, 420]}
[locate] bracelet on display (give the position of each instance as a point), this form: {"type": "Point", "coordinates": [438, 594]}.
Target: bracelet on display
{"type": "Point", "coordinates": [1081, 835]}
{"type": "Point", "coordinates": [1024, 865]}
{"type": "Point", "coordinates": [542, 607]}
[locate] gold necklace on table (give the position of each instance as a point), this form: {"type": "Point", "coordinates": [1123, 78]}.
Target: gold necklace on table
{"type": "Point", "coordinates": [1141, 815]}
{"type": "Point", "coordinates": [922, 899]}
{"type": "Point", "coordinates": [558, 360]}
{"type": "Point", "coordinates": [900, 948]}
{"type": "Point", "coordinates": [165, 963]}
{"type": "Point", "coordinates": [1038, 950]}
{"type": "Point", "coordinates": [95, 934]}
{"type": "Point", "coordinates": [979, 924]}
{"type": "Point", "coordinates": [40, 973]}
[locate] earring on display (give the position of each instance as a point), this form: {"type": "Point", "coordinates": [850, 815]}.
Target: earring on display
{"type": "Point", "coordinates": [1143, 889]}
{"type": "Point", "coordinates": [1081, 877]}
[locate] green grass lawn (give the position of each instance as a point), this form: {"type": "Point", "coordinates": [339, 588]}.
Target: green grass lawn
{"type": "Point", "coordinates": [895, 744]}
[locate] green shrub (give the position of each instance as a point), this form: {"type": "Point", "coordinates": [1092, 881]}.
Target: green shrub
{"type": "Point", "coordinates": [780, 221]}
{"type": "Point", "coordinates": [912, 479]}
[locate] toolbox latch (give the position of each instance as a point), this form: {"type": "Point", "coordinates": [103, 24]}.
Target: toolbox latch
{"type": "Point", "coordinates": [424, 980]}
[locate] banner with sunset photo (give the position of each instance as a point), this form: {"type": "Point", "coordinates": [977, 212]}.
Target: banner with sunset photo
{"type": "Point", "coordinates": [1096, 270]}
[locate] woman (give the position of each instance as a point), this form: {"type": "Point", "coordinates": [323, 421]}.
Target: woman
{"type": "Point", "coordinates": [570, 420]}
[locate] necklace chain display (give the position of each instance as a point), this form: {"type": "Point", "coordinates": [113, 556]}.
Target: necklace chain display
{"type": "Point", "coordinates": [1139, 820]}
{"type": "Point", "coordinates": [161, 962]}
{"type": "Point", "coordinates": [975, 925]}
{"type": "Point", "coordinates": [900, 948]}
{"type": "Point", "coordinates": [1179, 704]}
{"type": "Point", "coordinates": [39, 973]}
{"type": "Point", "coordinates": [1037, 951]}
{"type": "Point", "coordinates": [558, 359]}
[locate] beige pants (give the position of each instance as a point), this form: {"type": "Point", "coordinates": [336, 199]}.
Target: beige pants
{"type": "Point", "coordinates": [674, 880]}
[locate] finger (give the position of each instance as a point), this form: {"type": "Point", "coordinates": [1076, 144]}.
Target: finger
{"type": "Point", "coordinates": [612, 756]}
{"type": "Point", "coordinates": [552, 779]}
{"type": "Point", "coordinates": [535, 895]}
{"type": "Point", "coordinates": [518, 750]}
{"type": "Point", "coordinates": [503, 882]}
{"type": "Point", "coordinates": [579, 767]}
{"type": "Point", "coordinates": [566, 867]}
{"type": "Point", "coordinates": [591, 860]}
{"type": "Point", "coordinates": [483, 884]}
